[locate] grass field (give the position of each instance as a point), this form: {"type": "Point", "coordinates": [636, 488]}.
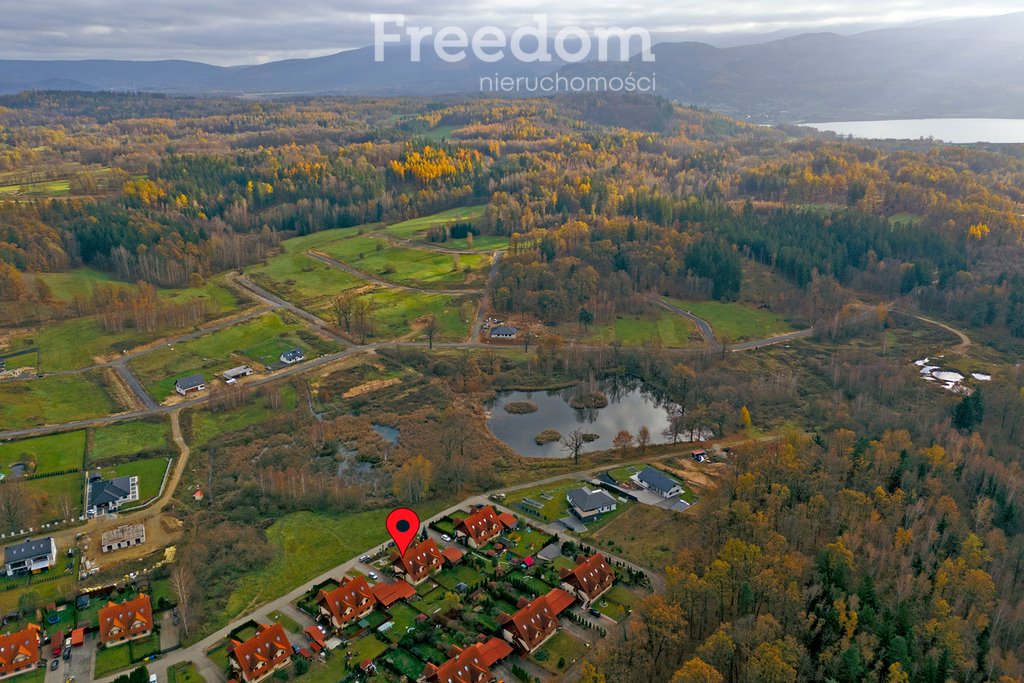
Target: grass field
{"type": "Point", "coordinates": [74, 344]}
{"type": "Point", "coordinates": [260, 340]}
{"type": "Point", "coordinates": [559, 653]}
{"type": "Point", "coordinates": [53, 400]}
{"type": "Point", "coordinates": [50, 491]}
{"type": "Point", "coordinates": [396, 314]}
{"type": "Point", "coordinates": [46, 188]}
{"type": "Point", "coordinates": [206, 424]}
{"type": "Point", "coordinates": [79, 281]}
{"type": "Point", "coordinates": [150, 472]}
{"type": "Point", "coordinates": [185, 673]}
{"type": "Point", "coordinates": [128, 438]}
{"type": "Point", "coordinates": [303, 281]}
{"type": "Point", "coordinates": [734, 321]}
{"type": "Point", "coordinates": [412, 229]}
{"type": "Point", "coordinates": [642, 534]}
{"type": "Point", "coordinates": [52, 453]}
{"type": "Point", "coordinates": [664, 329]}
{"type": "Point", "coordinates": [415, 267]}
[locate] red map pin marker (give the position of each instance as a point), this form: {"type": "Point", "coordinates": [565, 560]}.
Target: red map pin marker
{"type": "Point", "coordinates": [403, 525]}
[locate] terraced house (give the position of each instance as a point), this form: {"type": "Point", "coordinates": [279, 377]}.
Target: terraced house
{"type": "Point", "coordinates": [479, 528]}
{"type": "Point", "coordinates": [589, 579]}
{"type": "Point", "coordinates": [472, 665]}
{"type": "Point", "coordinates": [20, 652]}
{"type": "Point", "coordinates": [126, 621]}
{"type": "Point", "coordinates": [419, 562]}
{"type": "Point", "coordinates": [262, 655]}
{"type": "Point", "coordinates": [349, 602]}
{"type": "Point", "coordinates": [535, 622]}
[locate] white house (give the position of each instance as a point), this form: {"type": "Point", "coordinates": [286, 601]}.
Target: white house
{"type": "Point", "coordinates": [190, 383]}
{"type": "Point", "coordinates": [589, 505]}
{"type": "Point", "coordinates": [30, 556]}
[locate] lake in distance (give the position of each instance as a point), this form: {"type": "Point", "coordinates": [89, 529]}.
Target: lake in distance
{"type": "Point", "coordinates": [957, 131]}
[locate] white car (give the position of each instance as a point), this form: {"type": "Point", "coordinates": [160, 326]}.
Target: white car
{"type": "Point", "coordinates": [372, 575]}
{"type": "Point", "coordinates": [446, 537]}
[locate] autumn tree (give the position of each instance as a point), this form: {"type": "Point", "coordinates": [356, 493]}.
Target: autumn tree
{"type": "Point", "coordinates": [697, 670]}
{"type": "Point", "coordinates": [623, 441]}
{"type": "Point", "coordinates": [411, 483]}
{"type": "Point", "coordinates": [643, 439]}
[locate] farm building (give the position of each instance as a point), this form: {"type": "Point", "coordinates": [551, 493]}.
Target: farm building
{"type": "Point", "coordinates": [124, 536]}
{"type": "Point", "coordinates": [232, 375]}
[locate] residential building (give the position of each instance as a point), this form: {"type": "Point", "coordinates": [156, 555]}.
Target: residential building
{"type": "Point", "coordinates": [699, 455]}
{"type": "Point", "coordinates": [262, 655]}
{"type": "Point", "coordinates": [125, 536]}
{"type": "Point", "coordinates": [659, 482]}
{"type": "Point", "coordinates": [387, 594]}
{"type": "Point", "coordinates": [420, 562]}
{"type": "Point", "coordinates": [30, 556]}
{"type": "Point", "coordinates": [107, 496]}
{"type": "Point", "coordinates": [190, 383]}
{"type": "Point", "coordinates": [479, 528]}
{"type": "Point", "coordinates": [351, 601]}
{"type": "Point", "coordinates": [293, 356]}
{"type": "Point", "coordinates": [126, 621]}
{"type": "Point", "coordinates": [503, 332]}
{"type": "Point", "coordinates": [589, 579]}
{"type": "Point", "coordinates": [589, 505]}
{"type": "Point", "coordinates": [535, 622]}
{"type": "Point", "coordinates": [472, 665]}
{"type": "Point", "coordinates": [452, 555]}
{"type": "Point", "coordinates": [21, 651]}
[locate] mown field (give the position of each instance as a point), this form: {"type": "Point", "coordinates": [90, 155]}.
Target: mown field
{"type": "Point", "coordinates": [736, 322]}
{"type": "Point", "coordinates": [413, 267]}
{"type": "Point", "coordinates": [53, 400]}
{"type": "Point", "coordinates": [51, 453]}
{"type": "Point", "coordinates": [127, 438]}
{"type": "Point", "coordinates": [398, 313]}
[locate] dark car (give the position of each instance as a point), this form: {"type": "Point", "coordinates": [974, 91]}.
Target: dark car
{"type": "Point", "coordinates": [594, 613]}
{"type": "Point", "coordinates": [67, 653]}
{"type": "Point", "coordinates": [54, 664]}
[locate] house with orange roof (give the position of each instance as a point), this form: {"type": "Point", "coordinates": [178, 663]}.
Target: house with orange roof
{"type": "Point", "coordinates": [472, 665]}
{"type": "Point", "coordinates": [131, 620]}
{"type": "Point", "coordinates": [452, 555]}
{"type": "Point", "coordinates": [589, 579]}
{"type": "Point", "coordinates": [21, 652]}
{"type": "Point", "coordinates": [479, 528]}
{"type": "Point", "coordinates": [419, 562]}
{"type": "Point", "coordinates": [262, 655]}
{"type": "Point", "coordinates": [535, 622]}
{"type": "Point", "coordinates": [388, 594]}
{"type": "Point", "coordinates": [351, 601]}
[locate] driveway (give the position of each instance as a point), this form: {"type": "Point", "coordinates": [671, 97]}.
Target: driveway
{"type": "Point", "coordinates": [168, 632]}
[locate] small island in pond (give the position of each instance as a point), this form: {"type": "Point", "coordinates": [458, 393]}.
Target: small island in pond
{"type": "Point", "coordinates": [591, 399]}
{"type": "Point", "coordinates": [547, 436]}
{"type": "Point", "coordinates": [521, 407]}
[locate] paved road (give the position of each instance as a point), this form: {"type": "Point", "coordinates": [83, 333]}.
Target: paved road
{"type": "Point", "coordinates": [485, 302]}
{"type": "Point", "coordinates": [122, 369]}
{"type": "Point", "coordinates": [428, 246]}
{"type": "Point", "coordinates": [778, 339]}
{"type": "Point", "coordinates": [341, 265]}
{"type": "Point", "coordinates": [276, 301]}
{"type": "Point", "coordinates": [702, 325]}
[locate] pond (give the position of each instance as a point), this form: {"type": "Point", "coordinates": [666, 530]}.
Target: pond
{"type": "Point", "coordinates": [389, 434]}
{"type": "Point", "coordinates": [957, 131]}
{"type": "Point", "coordinates": [631, 405]}
{"type": "Point", "coordinates": [950, 379]}
{"type": "Point", "coordinates": [18, 469]}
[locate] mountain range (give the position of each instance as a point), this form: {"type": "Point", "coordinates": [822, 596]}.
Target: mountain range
{"type": "Point", "coordinates": [958, 68]}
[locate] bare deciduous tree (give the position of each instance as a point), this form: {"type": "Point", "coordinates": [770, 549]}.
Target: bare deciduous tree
{"type": "Point", "coordinates": [573, 443]}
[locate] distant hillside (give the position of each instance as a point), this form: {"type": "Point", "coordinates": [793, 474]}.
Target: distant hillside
{"type": "Point", "coordinates": [955, 68]}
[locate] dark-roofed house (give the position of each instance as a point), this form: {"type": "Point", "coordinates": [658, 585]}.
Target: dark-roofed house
{"type": "Point", "coordinates": [472, 665]}
{"type": "Point", "coordinates": [29, 557]}
{"type": "Point", "coordinates": [589, 579]}
{"type": "Point", "coordinates": [419, 562]}
{"type": "Point", "coordinates": [503, 332]}
{"type": "Point", "coordinates": [589, 505]}
{"type": "Point", "coordinates": [21, 651]}
{"type": "Point", "coordinates": [535, 622]}
{"type": "Point", "coordinates": [349, 602]}
{"type": "Point", "coordinates": [129, 620]}
{"type": "Point", "coordinates": [108, 495]}
{"type": "Point", "coordinates": [659, 482]}
{"type": "Point", "coordinates": [293, 356]}
{"type": "Point", "coordinates": [259, 657]}
{"type": "Point", "coordinates": [190, 383]}
{"type": "Point", "coordinates": [479, 528]}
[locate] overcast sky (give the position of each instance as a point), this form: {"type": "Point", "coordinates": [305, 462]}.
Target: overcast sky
{"type": "Point", "coordinates": [250, 31]}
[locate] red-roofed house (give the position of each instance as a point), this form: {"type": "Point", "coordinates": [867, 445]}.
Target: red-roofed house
{"type": "Point", "coordinates": [452, 555]}
{"type": "Point", "coordinates": [317, 639]}
{"type": "Point", "coordinates": [388, 594]}
{"type": "Point", "coordinates": [349, 602]}
{"type": "Point", "coordinates": [263, 654]}
{"type": "Point", "coordinates": [508, 520]}
{"type": "Point", "coordinates": [472, 665]}
{"type": "Point", "coordinates": [479, 528]}
{"type": "Point", "coordinates": [535, 622]}
{"type": "Point", "coordinates": [419, 562]}
{"type": "Point", "coordinates": [589, 579]}
{"type": "Point", "coordinates": [21, 651]}
{"type": "Point", "coordinates": [128, 621]}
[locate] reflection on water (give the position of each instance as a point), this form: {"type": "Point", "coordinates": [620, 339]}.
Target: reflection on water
{"type": "Point", "coordinates": [631, 405]}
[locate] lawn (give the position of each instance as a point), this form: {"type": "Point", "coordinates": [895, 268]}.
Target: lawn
{"type": "Point", "coordinates": [150, 472]}
{"type": "Point", "coordinates": [322, 541]}
{"type": "Point", "coordinates": [206, 424]}
{"type": "Point", "coordinates": [405, 663]}
{"type": "Point", "coordinates": [559, 653]}
{"type": "Point", "coordinates": [254, 341]}
{"type": "Point", "coordinates": [416, 267]}
{"type": "Point", "coordinates": [185, 672]}
{"type": "Point", "coordinates": [286, 621]}
{"type": "Point", "coordinates": [53, 400]}
{"type": "Point", "coordinates": [395, 311]}
{"type": "Point", "coordinates": [52, 453]}
{"type": "Point", "coordinates": [616, 602]}
{"type": "Point", "coordinates": [110, 659]}
{"type": "Point", "coordinates": [50, 491]}
{"type": "Point", "coordinates": [735, 322]}
{"type": "Point", "coordinates": [336, 667]}
{"type": "Point", "coordinates": [551, 496]}
{"type": "Point", "coordinates": [463, 573]}
{"type": "Point", "coordinates": [404, 617]}
{"type": "Point", "coordinates": [527, 540]}
{"type": "Point", "coordinates": [128, 438]}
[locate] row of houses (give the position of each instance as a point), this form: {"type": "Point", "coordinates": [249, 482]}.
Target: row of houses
{"type": "Point", "coordinates": [197, 382]}
{"type": "Point", "coordinates": [483, 526]}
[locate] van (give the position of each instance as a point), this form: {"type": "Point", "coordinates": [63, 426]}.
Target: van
{"type": "Point", "coordinates": [152, 678]}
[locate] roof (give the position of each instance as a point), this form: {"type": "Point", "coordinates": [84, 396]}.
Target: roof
{"type": "Point", "coordinates": [351, 594]}
{"type": "Point", "coordinates": [190, 382]}
{"type": "Point", "coordinates": [537, 620]}
{"type": "Point", "coordinates": [388, 594]}
{"type": "Point", "coordinates": [19, 647]}
{"type": "Point", "coordinates": [315, 635]}
{"type": "Point", "coordinates": [591, 576]}
{"type": "Point", "coordinates": [28, 549]}
{"type": "Point", "coordinates": [452, 554]}
{"type": "Point", "coordinates": [503, 330]}
{"type": "Point", "coordinates": [471, 665]}
{"type": "Point", "coordinates": [235, 372]}
{"type": "Point", "coordinates": [104, 492]}
{"type": "Point", "coordinates": [550, 552]}
{"type": "Point", "coordinates": [482, 525]}
{"type": "Point", "coordinates": [589, 500]}
{"type": "Point", "coordinates": [133, 616]}
{"type": "Point", "coordinates": [508, 519]}
{"type": "Point", "coordinates": [421, 559]}
{"type": "Point", "coordinates": [268, 648]}
{"type": "Point", "coordinates": [293, 354]}
{"type": "Point", "coordinates": [121, 533]}
{"type": "Point", "coordinates": [657, 479]}
{"type": "Point", "coordinates": [78, 636]}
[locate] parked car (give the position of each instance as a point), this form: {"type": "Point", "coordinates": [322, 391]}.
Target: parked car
{"type": "Point", "coordinates": [594, 613]}
{"type": "Point", "coordinates": [364, 558]}
{"type": "Point", "coordinates": [67, 653]}
{"type": "Point", "coordinates": [372, 575]}
{"type": "Point", "coordinates": [54, 664]}
{"type": "Point", "coordinates": [152, 678]}
{"type": "Point", "coordinates": [446, 537]}
{"type": "Point", "coordinates": [295, 648]}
